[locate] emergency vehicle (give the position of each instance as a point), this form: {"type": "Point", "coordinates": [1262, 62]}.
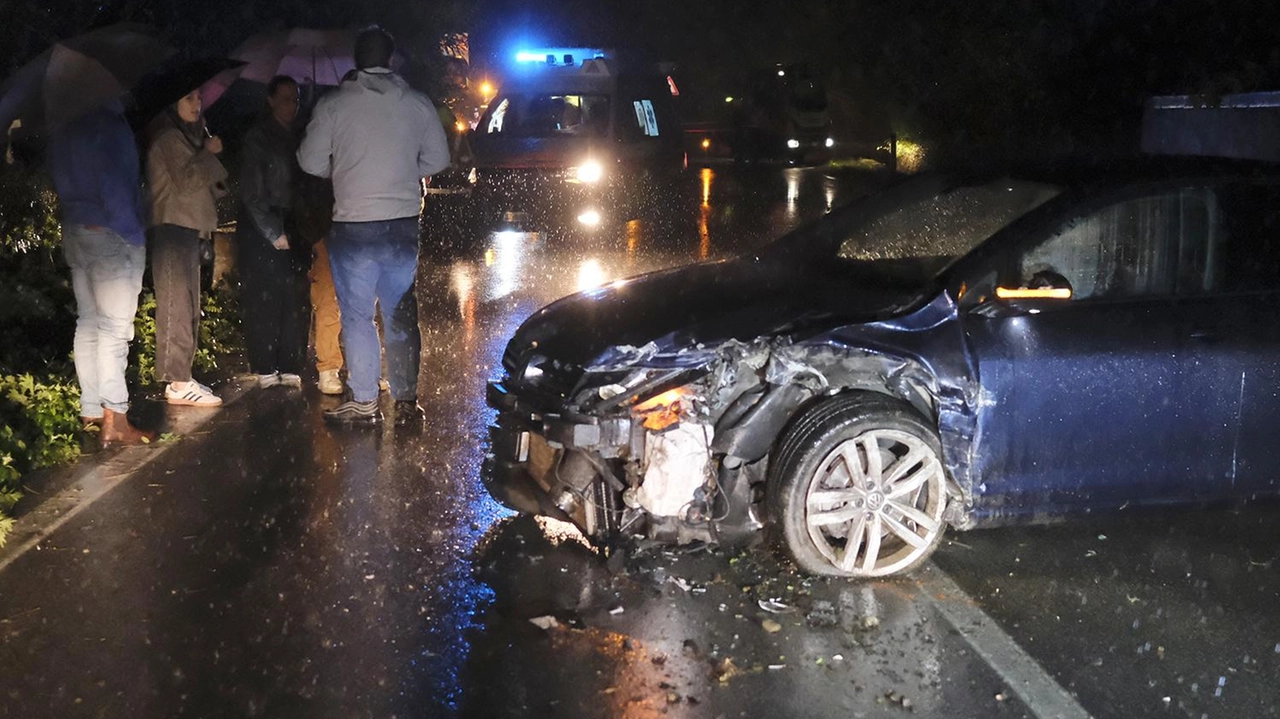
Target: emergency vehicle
{"type": "Point", "coordinates": [575, 139]}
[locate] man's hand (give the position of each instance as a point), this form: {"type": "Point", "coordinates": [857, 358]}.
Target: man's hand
{"type": "Point", "coordinates": [213, 144]}
{"type": "Point", "coordinates": [281, 242]}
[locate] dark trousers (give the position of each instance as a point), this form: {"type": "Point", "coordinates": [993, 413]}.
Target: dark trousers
{"type": "Point", "coordinates": [275, 301]}
{"type": "Point", "coordinates": [175, 272]}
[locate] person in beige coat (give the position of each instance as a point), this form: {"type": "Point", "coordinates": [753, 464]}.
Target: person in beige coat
{"type": "Point", "coordinates": [185, 178]}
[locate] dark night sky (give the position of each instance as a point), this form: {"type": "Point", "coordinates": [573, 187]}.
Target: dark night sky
{"type": "Point", "coordinates": [976, 72]}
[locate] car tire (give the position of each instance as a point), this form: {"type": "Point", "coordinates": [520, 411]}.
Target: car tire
{"type": "Point", "coordinates": [858, 466]}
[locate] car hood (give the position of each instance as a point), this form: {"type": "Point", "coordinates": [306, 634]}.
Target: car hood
{"type": "Point", "coordinates": [673, 311]}
{"type": "Point", "coordinates": [496, 152]}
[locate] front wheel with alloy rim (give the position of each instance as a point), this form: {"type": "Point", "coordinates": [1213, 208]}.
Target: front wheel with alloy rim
{"type": "Point", "coordinates": [858, 488]}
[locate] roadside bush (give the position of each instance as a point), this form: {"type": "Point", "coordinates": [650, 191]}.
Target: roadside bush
{"type": "Point", "coordinates": [221, 341]}
{"type": "Point", "coordinates": [39, 396]}
{"type": "Point", "coordinates": [37, 306]}
{"type": "Point", "coordinates": [39, 402]}
{"type": "Point", "coordinates": [39, 421]}
{"type": "Point", "coordinates": [28, 209]}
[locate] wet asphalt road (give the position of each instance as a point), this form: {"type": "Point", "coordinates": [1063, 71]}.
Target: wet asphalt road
{"type": "Point", "coordinates": [271, 567]}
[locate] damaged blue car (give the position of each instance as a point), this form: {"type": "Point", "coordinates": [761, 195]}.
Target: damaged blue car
{"type": "Point", "coordinates": [955, 351]}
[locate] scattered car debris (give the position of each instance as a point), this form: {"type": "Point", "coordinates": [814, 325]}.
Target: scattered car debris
{"type": "Point", "coordinates": [823, 614]}
{"type": "Point", "coordinates": [725, 670]}
{"type": "Point", "coordinates": [545, 622]}
{"type": "Point", "coordinates": [775, 606]}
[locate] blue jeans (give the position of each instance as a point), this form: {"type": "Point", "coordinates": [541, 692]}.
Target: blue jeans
{"type": "Point", "coordinates": [106, 274]}
{"type": "Point", "coordinates": [377, 261]}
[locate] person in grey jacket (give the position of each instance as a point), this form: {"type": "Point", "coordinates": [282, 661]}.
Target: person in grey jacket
{"type": "Point", "coordinates": [185, 179]}
{"type": "Point", "coordinates": [271, 260]}
{"type": "Point", "coordinates": [377, 138]}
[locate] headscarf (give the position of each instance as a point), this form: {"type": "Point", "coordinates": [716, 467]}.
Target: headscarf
{"type": "Point", "coordinates": [192, 132]}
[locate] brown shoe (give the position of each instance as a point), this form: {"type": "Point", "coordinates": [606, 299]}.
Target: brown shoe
{"type": "Point", "coordinates": [117, 432]}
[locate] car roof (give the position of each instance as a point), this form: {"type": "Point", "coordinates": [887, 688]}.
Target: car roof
{"type": "Point", "coordinates": [1089, 174]}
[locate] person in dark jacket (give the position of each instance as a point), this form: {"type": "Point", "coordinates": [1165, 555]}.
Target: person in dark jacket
{"type": "Point", "coordinates": [273, 259]}
{"type": "Point", "coordinates": [95, 169]}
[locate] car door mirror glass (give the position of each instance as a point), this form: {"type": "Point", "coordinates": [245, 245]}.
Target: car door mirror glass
{"type": "Point", "coordinates": [1036, 293]}
{"type": "Point", "coordinates": [1043, 285]}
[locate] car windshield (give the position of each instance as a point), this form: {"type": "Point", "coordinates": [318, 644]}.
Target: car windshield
{"type": "Point", "coordinates": [917, 228]}
{"type": "Point", "coordinates": [549, 115]}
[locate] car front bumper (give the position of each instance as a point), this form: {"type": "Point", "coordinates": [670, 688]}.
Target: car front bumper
{"type": "Point", "coordinates": [532, 462]}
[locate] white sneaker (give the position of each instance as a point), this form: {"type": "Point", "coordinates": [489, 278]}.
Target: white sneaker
{"type": "Point", "coordinates": [268, 380]}
{"type": "Point", "coordinates": [192, 394]}
{"type": "Point", "coordinates": [289, 379]}
{"type": "Point", "coordinates": [329, 382]}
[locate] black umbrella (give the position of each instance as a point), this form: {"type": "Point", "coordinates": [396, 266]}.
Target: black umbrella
{"type": "Point", "coordinates": [211, 75]}
{"type": "Point", "coordinates": [78, 75]}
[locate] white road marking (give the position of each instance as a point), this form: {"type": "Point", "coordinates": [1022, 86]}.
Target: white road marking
{"type": "Point", "coordinates": [1043, 695]}
{"type": "Point", "coordinates": [95, 479]}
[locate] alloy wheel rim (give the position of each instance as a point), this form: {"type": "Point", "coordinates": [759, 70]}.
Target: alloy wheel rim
{"type": "Point", "coordinates": [874, 505]}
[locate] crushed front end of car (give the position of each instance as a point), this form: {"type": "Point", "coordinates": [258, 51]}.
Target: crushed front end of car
{"type": "Point", "coordinates": [627, 444]}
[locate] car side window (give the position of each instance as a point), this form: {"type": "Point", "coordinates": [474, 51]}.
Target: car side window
{"type": "Point", "coordinates": [1126, 249]}
{"type": "Point", "coordinates": [1248, 257]}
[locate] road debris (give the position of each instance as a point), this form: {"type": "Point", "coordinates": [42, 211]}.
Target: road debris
{"type": "Point", "coordinates": [545, 622]}
{"type": "Point", "coordinates": [775, 606]}
{"type": "Point", "coordinates": [725, 670]}
{"type": "Point", "coordinates": [823, 614]}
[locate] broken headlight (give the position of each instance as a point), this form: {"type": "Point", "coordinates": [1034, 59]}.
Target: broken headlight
{"type": "Point", "coordinates": [638, 386]}
{"type": "Point", "coordinates": [533, 369]}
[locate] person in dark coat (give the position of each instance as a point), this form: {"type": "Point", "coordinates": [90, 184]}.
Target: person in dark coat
{"type": "Point", "coordinates": [273, 259]}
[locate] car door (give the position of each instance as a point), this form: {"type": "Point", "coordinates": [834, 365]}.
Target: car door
{"type": "Point", "coordinates": [1082, 398]}
{"type": "Point", "coordinates": [1230, 320]}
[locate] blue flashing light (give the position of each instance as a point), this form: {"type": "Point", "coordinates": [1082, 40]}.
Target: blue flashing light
{"type": "Point", "coordinates": [558, 56]}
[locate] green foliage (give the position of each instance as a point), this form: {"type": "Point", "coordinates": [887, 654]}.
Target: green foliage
{"type": "Point", "coordinates": [39, 419]}
{"type": "Point", "coordinates": [37, 306]}
{"type": "Point", "coordinates": [39, 416]}
{"type": "Point", "coordinates": [221, 336]}
{"type": "Point", "coordinates": [42, 417]}
{"type": "Point", "coordinates": [37, 311]}
{"type": "Point", "coordinates": [142, 362]}
{"type": "Point", "coordinates": [28, 210]}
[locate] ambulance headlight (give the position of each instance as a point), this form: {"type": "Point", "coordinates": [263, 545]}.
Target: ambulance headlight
{"type": "Point", "coordinates": [589, 172]}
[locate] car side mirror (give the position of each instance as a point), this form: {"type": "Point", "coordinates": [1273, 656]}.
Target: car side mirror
{"type": "Point", "coordinates": [1033, 293]}
{"type": "Point", "coordinates": [1044, 290]}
